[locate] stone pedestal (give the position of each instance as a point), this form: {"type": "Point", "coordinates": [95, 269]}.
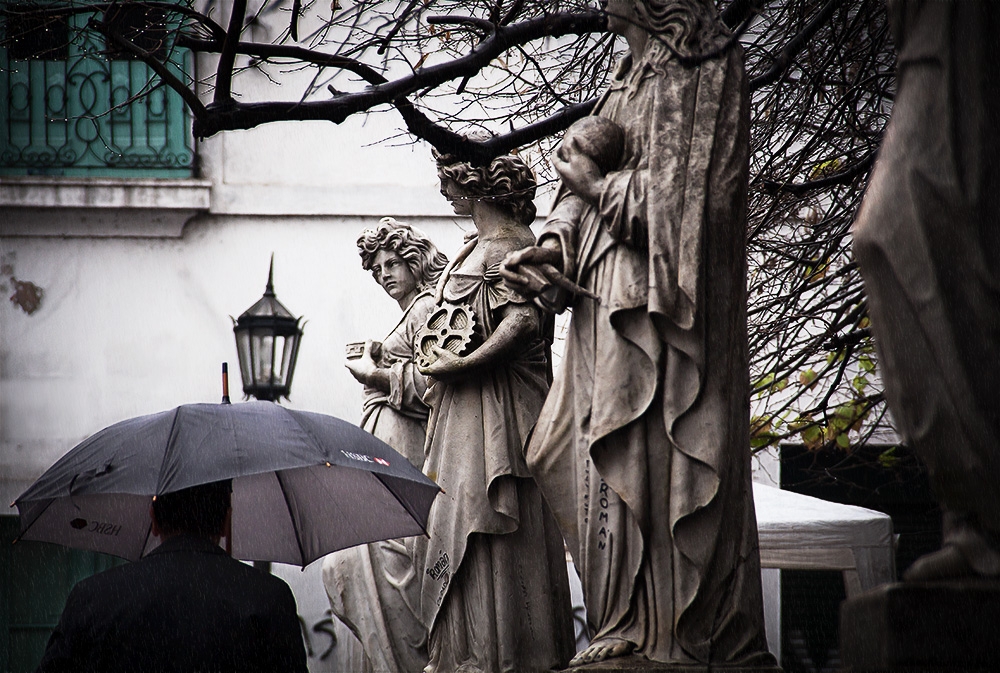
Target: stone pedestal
{"type": "Point", "coordinates": [923, 628]}
{"type": "Point", "coordinates": [634, 663]}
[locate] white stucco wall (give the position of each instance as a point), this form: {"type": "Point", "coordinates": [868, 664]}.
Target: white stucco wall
{"type": "Point", "coordinates": [132, 326]}
{"type": "Point", "coordinates": [134, 319]}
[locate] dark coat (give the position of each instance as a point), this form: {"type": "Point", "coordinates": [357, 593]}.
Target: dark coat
{"type": "Point", "coordinates": [187, 606]}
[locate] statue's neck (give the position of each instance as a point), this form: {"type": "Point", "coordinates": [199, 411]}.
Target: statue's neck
{"type": "Point", "coordinates": [489, 219]}
{"type": "Point", "coordinates": [637, 39]}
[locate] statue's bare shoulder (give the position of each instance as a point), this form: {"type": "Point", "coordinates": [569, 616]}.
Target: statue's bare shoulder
{"type": "Point", "coordinates": [496, 250]}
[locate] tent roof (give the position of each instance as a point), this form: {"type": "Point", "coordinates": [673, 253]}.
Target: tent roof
{"type": "Point", "coordinates": [787, 520]}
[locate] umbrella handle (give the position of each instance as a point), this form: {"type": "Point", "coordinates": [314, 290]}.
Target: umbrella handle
{"type": "Point", "coordinates": [228, 531]}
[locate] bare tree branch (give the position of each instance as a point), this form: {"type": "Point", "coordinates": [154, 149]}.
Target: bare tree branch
{"type": "Point", "coordinates": [249, 115]}
{"type": "Point", "coordinates": [150, 59]}
{"type": "Point", "coordinates": [794, 46]}
{"type": "Point", "coordinates": [224, 71]}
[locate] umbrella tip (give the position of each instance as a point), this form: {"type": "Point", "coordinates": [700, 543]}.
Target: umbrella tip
{"type": "Point", "coordinates": [225, 383]}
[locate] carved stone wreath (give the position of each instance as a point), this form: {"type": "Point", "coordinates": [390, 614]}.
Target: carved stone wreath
{"type": "Point", "coordinates": [449, 327]}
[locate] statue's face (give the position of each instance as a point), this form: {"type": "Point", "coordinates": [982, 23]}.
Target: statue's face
{"type": "Point", "coordinates": [393, 273]}
{"type": "Point", "coordinates": [621, 15]}
{"type": "Point", "coordinates": [459, 197]}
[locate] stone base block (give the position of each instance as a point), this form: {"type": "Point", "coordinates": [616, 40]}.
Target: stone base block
{"type": "Point", "coordinates": [923, 628]}
{"type": "Point", "coordinates": [635, 663]}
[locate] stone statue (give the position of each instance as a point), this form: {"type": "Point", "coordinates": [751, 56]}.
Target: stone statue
{"type": "Point", "coordinates": [495, 593]}
{"type": "Point", "coordinates": [927, 238]}
{"type": "Point", "coordinates": [642, 447]}
{"type": "Point", "coordinates": [374, 588]}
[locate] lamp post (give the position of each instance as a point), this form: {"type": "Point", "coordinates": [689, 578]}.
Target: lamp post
{"type": "Point", "coordinates": [267, 343]}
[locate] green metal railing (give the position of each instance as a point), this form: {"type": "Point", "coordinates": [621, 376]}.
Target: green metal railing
{"type": "Point", "coordinates": [70, 106]}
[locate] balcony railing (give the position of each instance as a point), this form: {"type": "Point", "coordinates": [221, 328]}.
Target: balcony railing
{"type": "Point", "coordinates": [72, 106]}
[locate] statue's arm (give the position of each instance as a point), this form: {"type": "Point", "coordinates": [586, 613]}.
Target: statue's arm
{"type": "Point", "coordinates": [544, 270]}
{"type": "Point", "coordinates": [619, 196]}
{"type": "Point", "coordinates": [622, 204]}
{"type": "Point", "coordinates": [518, 323]}
{"type": "Point", "coordinates": [560, 232]}
{"type": "Point", "coordinates": [367, 372]}
{"type": "Point", "coordinates": [406, 384]}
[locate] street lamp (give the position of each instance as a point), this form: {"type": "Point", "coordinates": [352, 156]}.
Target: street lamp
{"type": "Point", "coordinates": [267, 342]}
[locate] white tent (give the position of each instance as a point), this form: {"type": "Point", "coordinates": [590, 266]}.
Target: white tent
{"type": "Point", "coordinates": [798, 532]}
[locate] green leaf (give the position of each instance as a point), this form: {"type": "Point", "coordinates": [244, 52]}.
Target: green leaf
{"type": "Point", "coordinates": [812, 437]}
{"type": "Point", "coordinates": [888, 458]}
{"type": "Point", "coordinates": [866, 363]}
{"type": "Point", "coordinates": [765, 381]}
{"type": "Point", "coordinates": [825, 168]}
{"type": "Point", "coordinates": [843, 441]}
{"type": "Point", "coordinates": [847, 411]}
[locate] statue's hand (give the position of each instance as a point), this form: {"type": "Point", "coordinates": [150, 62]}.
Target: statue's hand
{"type": "Point", "coordinates": [533, 272]}
{"type": "Point", "coordinates": [448, 366]}
{"type": "Point", "coordinates": [522, 270]}
{"type": "Point", "coordinates": [548, 253]}
{"type": "Point", "coordinates": [364, 367]}
{"type": "Point", "coordinates": [578, 171]}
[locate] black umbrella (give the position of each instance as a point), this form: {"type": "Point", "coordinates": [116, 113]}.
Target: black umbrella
{"type": "Point", "coordinates": [304, 484]}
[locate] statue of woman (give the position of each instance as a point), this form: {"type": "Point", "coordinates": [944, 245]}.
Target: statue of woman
{"type": "Point", "coordinates": [374, 589]}
{"type": "Point", "coordinates": [642, 448]}
{"type": "Point", "coordinates": [495, 595]}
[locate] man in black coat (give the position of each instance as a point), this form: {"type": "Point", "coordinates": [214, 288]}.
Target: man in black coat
{"type": "Point", "coordinates": [186, 606]}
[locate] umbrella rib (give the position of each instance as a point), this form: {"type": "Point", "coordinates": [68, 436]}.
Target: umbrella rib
{"type": "Point", "coordinates": [409, 510]}
{"type": "Point", "coordinates": [166, 449]}
{"type": "Point", "coordinates": [288, 506]}
{"type": "Point", "coordinates": [317, 444]}
{"type": "Point", "coordinates": [37, 516]}
{"type": "Point", "coordinates": [145, 540]}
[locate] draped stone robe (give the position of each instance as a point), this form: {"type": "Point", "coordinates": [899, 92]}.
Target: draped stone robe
{"type": "Point", "coordinates": [927, 239]}
{"type": "Point", "coordinates": [374, 588]}
{"type": "Point", "coordinates": [494, 592]}
{"type": "Point", "coordinates": [642, 447]}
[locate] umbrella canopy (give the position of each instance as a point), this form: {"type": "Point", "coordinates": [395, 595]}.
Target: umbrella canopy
{"type": "Point", "coordinates": [304, 484]}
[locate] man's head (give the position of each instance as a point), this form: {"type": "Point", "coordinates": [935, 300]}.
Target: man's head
{"type": "Point", "coordinates": [199, 510]}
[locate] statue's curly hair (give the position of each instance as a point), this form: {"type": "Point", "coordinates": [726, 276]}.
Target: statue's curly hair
{"type": "Point", "coordinates": [507, 182]}
{"type": "Point", "coordinates": [417, 250]}
{"type": "Point", "coordinates": [689, 26]}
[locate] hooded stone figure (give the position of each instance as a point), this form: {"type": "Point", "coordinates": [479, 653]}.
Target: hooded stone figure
{"type": "Point", "coordinates": [927, 240]}
{"type": "Point", "coordinates": [641, 448]}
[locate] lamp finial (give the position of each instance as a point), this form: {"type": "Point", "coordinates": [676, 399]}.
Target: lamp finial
{"type": "Point", "coordinates": [269, 290]}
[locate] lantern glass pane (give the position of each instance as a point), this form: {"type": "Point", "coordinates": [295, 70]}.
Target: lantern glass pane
{"type": "Point", "coordinates": [243, 351]}
{"type": "Point", "coordinates": [278, 364]}
{"type": "Point", "coordinates": [286, 360]}
{"type": "Point", "coordinates": [263, 357]}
